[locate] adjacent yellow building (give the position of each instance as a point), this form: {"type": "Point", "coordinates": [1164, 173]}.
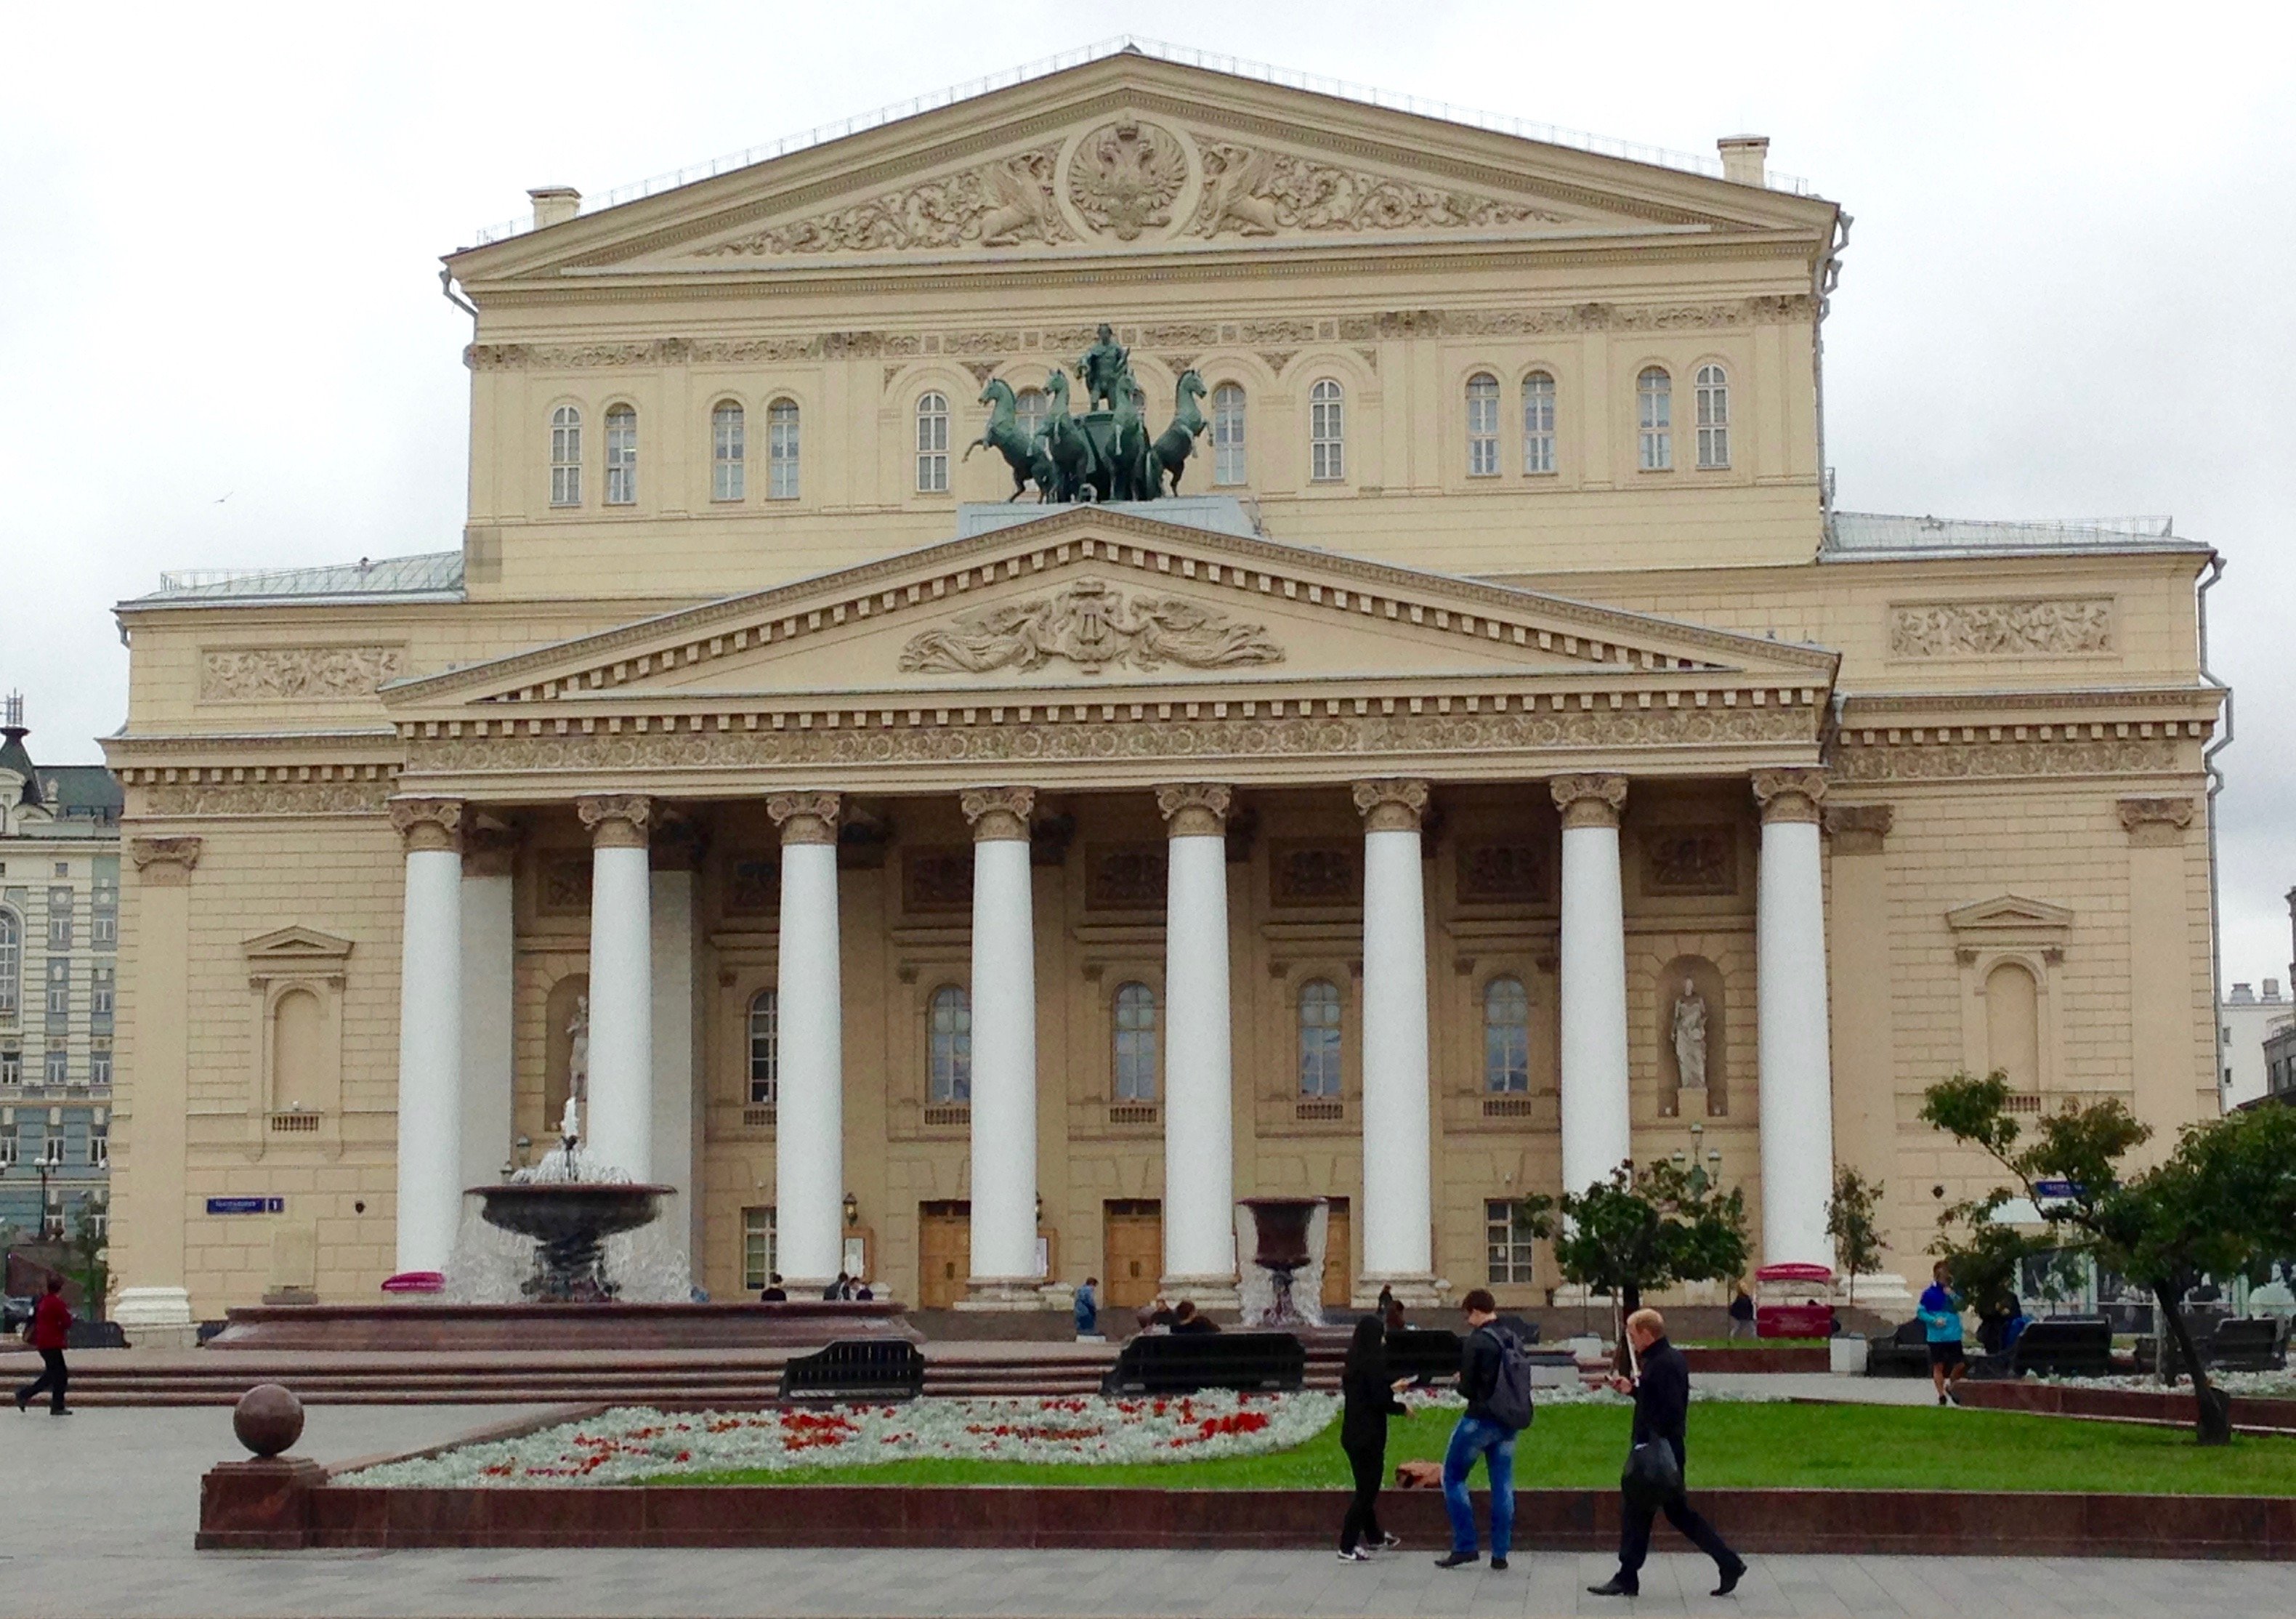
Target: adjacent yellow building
{"type": "Point", "coordinates": [1496, 762]}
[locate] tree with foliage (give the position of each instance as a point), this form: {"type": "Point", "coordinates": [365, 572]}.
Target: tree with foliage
{"type": "Point", "coordinates": [90, 1258]}
{"type": "Point", "coordinates": [1651, 1227]}
{"type": "Point", "coordinates": [2225, 1195]}
{"type": "Point", "coordinates": [1850, 1222]}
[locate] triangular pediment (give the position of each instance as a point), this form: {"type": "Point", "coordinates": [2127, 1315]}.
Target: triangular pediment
{"type": "Point", "coordinates": [290, 944]}
{"type": "Point", "coordinates": [1089, 600]}
{"type": "Point", "coordinates": [2009, 914]}
{"type": "Point", "coordinates": [1133, 154]}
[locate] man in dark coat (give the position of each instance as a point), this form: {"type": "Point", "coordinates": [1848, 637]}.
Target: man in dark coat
{"type": "Point", "coordinates": [1662, 1414]}
{"type": "Point", "coordinates": [51, 1330]}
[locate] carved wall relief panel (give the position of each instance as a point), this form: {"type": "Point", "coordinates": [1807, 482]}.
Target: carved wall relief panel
{"type": "Point", "coordinates": [753, 883]}
{"type": "Point", "coordinates": [1253, 192]}
{"type": "Point", "coordinates": [2059, 628]}
{"type": "Point", "coordinates": [935, 879]}
{"type": "Point", "coordinates": [279, 674]}
{"type": "Point", "coordinates": [998, 204]}
{"type": "Point", "coordinates": [1125, 877]}
{"type": "Point", "coordinates": [1092, 625]}
{"type": "Point", "coordinates": [1504, 874]}
{"type": "Point", "coordinates": [1124, 177]}
{"type": "Point", "coordinates": [1308, 873]}
{"type": "Point", "coordinates": [1690, 859]}
{"type": "Point", "coordinates": [562, 888]}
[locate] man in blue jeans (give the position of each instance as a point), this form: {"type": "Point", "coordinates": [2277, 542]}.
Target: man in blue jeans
{"type": "Point", "coordinates": [1480, 1433]}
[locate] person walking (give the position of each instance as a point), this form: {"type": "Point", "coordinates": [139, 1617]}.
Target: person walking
{"type": "Point", "coordinates": [50, 1331]}
{"type": "Point", "coordinates": [1742, 1313]}
{"type": "Point", "coordinates": [1661, 1392]}
{"type": "Point", "coordinates": [1494, 1375]}
{"type": "Point", "coordinates": [1087, 1309]}
{"type": "Point", "coordinates": [1369, 1396]}
{"type": "Point", "coordinates": [1941, 1317]}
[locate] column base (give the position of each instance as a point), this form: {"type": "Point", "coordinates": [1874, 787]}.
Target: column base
{"type": "Point", "coordinates": [1419, 1291]}
{"type": "Point", "coordinates": [1007, 1294]}
{"type": "Point", "coordinates": [1208, 1293]}
{"type": "Point", "coordinates": [1883, 1292]}
{"type": "Point", "coordinates": [153, 1307]}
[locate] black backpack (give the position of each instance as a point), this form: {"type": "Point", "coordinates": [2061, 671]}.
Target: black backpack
{"type": "Point", "coordinates": [1509, 1402]}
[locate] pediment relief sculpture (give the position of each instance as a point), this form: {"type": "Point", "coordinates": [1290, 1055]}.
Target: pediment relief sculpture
{"type": "Point", "coordinates": [1124, 177]}
{"type": "Point", "coordinates": [1092, 625]}
{"type": "Point", "coordinates": [1254, 192]}
{"type": "Point", "coordinates": [998, 204]}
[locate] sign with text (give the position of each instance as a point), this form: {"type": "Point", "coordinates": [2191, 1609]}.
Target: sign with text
{"type": "Point", "coordinates": [247, 1206]}
{"type": "Point", "coordinates": [2057, 1188]}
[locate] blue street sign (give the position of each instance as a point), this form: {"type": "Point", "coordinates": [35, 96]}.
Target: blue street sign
{"type": "Point", "coordinates": [2057, 1188]}
{"type": "Point", "coordinates": [247, 1206]}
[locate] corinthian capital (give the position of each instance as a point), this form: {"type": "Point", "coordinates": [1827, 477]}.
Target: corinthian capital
{"type": "Point", "coordinates": [428, 825]}
{"type": "Point", "coordinates": [1789, 795]}
{"type": "Point", "coordinates": [1391, 803]}
{"type": "Point", "coordinates": [998, 812]}
{"type": "Point", "coordinates": [1589, 800]}
{"type": "Point", "coordinates": [616, 820]}
{"type": "Point", "coordinates": [165, 862]}
{"type": "Point", "coordinates": [806, 817]}
{"type": "Point", "coordinates": [1194, 808]}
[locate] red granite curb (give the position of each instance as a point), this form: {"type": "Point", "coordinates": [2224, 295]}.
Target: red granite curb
{"type": "Point", "coordinates": [2171, 1407]}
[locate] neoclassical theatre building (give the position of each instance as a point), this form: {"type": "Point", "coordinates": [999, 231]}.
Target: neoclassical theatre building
{"type": "Point", "coordinates": [1495, 762]}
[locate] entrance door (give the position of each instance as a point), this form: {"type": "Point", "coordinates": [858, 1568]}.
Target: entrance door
{"type": "Point", "coordinates": [944, 1252]}
{"type": "Point", "coordinates": [1132, 1234]}
{"type": "Point", "coordinates": [1337, 1274]}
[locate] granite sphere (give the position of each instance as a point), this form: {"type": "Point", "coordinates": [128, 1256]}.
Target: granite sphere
{"type": "Point", "coordinates": [267, 1419]}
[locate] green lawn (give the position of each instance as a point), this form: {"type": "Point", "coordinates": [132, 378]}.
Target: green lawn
{"type": "Point", "coordinates": [1809, 1446]}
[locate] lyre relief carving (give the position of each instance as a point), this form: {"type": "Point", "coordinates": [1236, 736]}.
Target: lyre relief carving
{"type": "Point", "coordinates": [1092, 626]}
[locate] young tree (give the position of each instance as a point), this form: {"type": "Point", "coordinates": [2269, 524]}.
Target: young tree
{"type": "Point", "coordinates": [2225, 1195]}
{"type": "Point", "coordinates": [1659, 1225]}
{"type": "Point", "coordinates": [1850, 1222]}
{"type": "Point", "coordinates": [90, 1258]}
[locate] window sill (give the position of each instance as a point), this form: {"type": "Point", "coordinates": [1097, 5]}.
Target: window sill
{"type": "Point", "coordinates": [1132, 1113]}
{"type": "Point", "coordinates": [1322, 1108]}
{"type": "Point", "coordinates": [947, 1113]}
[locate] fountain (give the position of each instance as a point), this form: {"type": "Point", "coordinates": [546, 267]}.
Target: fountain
{"type": "Point", "coordinates": [570, 1204]}
{"type": "Point", "coordinates": [1286, 1237]}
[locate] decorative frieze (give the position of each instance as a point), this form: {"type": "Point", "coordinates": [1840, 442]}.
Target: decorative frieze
{"type": "Point", "coordinates": [1311, 874]}
{"type": "Point", "coordinates": [1789, 795]}
{"type": "Point", "coordinates": [428, 825]}
{"type": "Point", "coordinates": [753, 884]}
{"type": "Point", "coordinates": [1194, 809]}
{"type": "Point", "coordinates": [164, 862]}
{"type": "Point", "coordinates": [1125, 877]}
{"type": "Point", "coordinates": [1948, 761]}
{"type": "Point", "coordinates": [998, 204]}
{"type": "Point", "coordinates": [1091, 625]}
{"type": "Point", "coordinates": [1687, 860]}
{"type": "Point", "coordinates": [282, 674]}
{"type": "Point", "coordinates": [2057, 627]}
{"type": "Point", "coordinates": [1123, 178]}
{"type": "Point", "coordinates": [998, 813]}
{"type": "Point", "coordinates": [563, 888]}
{"type": "Point", "coordinates": [1390, 804]}
{"type": "Point", "coordinates": [1590, 799]}
{"type": "Point", "coordinates": [1255, 191]}
{"type": "Point", "coordinates": [806, 817]}
{"type": "Point", "coordinates": [935, 879]}
{"type": "Point", "coordinates": [347, 795]}
{"type": "Point", "coordinates": [615, 820]}
{"type": "Point", "coordinates": [1504, 874]}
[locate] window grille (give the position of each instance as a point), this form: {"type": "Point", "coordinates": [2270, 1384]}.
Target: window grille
{"type": "Point", "coordinates": [565, 457]}
{"type": "Point", "coordinates": [1506, 1037]}
{"type": "Point", "coordinates": [728, 453]}
{"type": "Point", "coordinates": [1713, 417]}
{"type": "Point", "coordinates": [1136, 1043]}
{"type": "Point", "coordinates": [950, 1053]}
{"type": "Point", "coordinates": [933, 444]}
{"type": "Point", "coordinates": [1654, 392]}
{"type": "Point", "coordinates": [1482, 425]}
{"type": "Point", "coordinates": [1538, 422]}
{"type": "Point", "coordinates": [759, 1258]}
{"type": "Point", "coordinates": [766, 1049]}
{"type": "Point", "coordinates": [1327, 461]}
{"type": "Point", "coordinates": [1228, 466]}
{"type": "Point", "coordinates": [621, 456]}
{"type": "Point", "coordinates": [781, 450]}
{"type": "Point", "coordinates": [1319, 1039]}
{"type": "Point", "coordinates": [1506, 1225]}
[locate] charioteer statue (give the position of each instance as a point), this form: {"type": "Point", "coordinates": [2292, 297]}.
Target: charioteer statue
{"type": "Point", "coordinates": [1105, 454]}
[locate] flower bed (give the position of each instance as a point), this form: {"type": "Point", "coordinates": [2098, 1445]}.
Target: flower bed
{"type": "Point", "coordinates": [629, 1443]}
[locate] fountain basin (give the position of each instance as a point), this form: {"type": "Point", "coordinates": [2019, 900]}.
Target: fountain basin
{"type": "Point", "coordinates": [546, 1328]}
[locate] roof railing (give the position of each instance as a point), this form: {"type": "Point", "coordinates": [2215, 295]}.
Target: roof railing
{"type": "Point", "coordinates": [1500, 123]}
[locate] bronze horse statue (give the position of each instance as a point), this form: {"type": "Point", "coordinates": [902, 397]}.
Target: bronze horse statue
{"type": "Point", "coordinates": [1076, 462]}
{"type": "Point", "coordinates": [1023, 452]}
{"type": "Point", "coordinates": [1168, 456]}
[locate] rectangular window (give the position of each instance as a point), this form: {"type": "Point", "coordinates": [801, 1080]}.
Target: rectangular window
{"type": "Point", "coordinates": [566, 456]}
{"type": "Point", "coordinates": [1507, 1236]}
{"type": "Point", "coordinates": [7, 1145]}
{"type": "Point", "coordinates": [59, 1068]}
{"type": "Point", "coordinates": [11, 1068]}
{"type": "Point", "coordinates": [63, 869]}
{"type": "Point", "coordinates": [99, 1068]}
{"type": "Point", "coordinates": [59, 989]}
{"type": "Point", "coordinates": [51, 1150]}
{"type": "Point", "coordinates": [59, 919]}
{"type": "Point", "coordinates": [758, 1257]}
{"type": "Point", "coordinates": [99, 1144]}
{"type": "Point", "coordinates": [100, 996]}
{"type": "Point", "coordinates": [51, 1223]}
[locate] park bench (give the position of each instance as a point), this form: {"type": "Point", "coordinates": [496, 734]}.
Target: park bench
{"type": "Point", "coordinates": [1904, 1353]}
{"type": "Point", "coordinates": [2243, 1344]}
{"type": "Point", "coordinates": [1424, 1354]}
{"type": "Point", "coordinates": [2057, 1346]}
{"type": "Point", "coordinates": [856, 1369]}
{"type": "Point", "coordinates": [1182, 1363]}
{"type": "Point", "coordinates": [96, 1334]}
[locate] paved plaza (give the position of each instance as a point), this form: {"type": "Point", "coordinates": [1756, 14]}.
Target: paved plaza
{"type": "Point", "coordinates": [101, 1507]}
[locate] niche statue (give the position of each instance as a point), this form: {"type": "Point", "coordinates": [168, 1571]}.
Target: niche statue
{"type": "Point", "coordinates": [1689, 1037]}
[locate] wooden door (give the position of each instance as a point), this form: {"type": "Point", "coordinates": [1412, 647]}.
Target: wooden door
{"type": "Point", "coordinates": [1133, 1246]}
{"type": "Point", "coordinates": [1338, 1274]}
{"type": "Point", "coordinates": [944, 1253]}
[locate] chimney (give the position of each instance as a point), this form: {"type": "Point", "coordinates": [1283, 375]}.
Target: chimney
{"type": "Point", "coordinates": [2242, 996]}
{"type": "Point", "coordinates": [1744, 158]}
{"type": "Point", "coordinates": [2272, 988]}
{"type": "Point", "coordinates": [555, 205]}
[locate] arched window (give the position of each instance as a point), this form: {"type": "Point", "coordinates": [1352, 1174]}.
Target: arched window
{"type": "Point", "coordinates": [728, 453]}
{"type": "Point", "coordinates": [1482, 425]}
{"type": "Point", "coordinates": [1654, 393]}
{"type": "Point", "coordinates": [1538, 422]}
{"type": "Point", "coordinates": [1030, 408]}
{"type": "Point", "coordinates": [949, 1080]}
{"type": "Point", "coordinates": [1713, 417]}
{"type": "Point", "coordinates": [1136, 1043]}
{"type": "Point", "coordinates": [621, 456]}
{"type": "Point", "coordinates": [565, 457]}
{"type": "Point", "coordinates": [781, 450]}
{"type": "Point", "coordinates": [1319, 1039]}
{"type": "Point", "coordinates": [1229, 466]}
{"type": "Point", "coordinates": [2013, 1026]}
{"type": "Point", "coordinates": [1506, 1037]}
{"type": "Point", "coordinates": [764, 1048]}
{"type": "Point", "coordinates": [1327, 433]}
{"type": "Point", "coordinates": [11, 963]}
{"type": "Point", "coordinates": [933, 444]}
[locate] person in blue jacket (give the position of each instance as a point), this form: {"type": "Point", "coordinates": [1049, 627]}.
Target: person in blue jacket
{"type": "Point", "coordinates": [1941, 1317]}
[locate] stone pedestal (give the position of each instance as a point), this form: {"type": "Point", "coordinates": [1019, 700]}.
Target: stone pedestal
{"type": "Point", "coordinates": [260, 1505]}
{"type": "Point", "coordinates": [156, 1318]}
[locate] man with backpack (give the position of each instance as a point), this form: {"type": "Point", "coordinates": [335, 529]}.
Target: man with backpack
{"type": "Point", "coordinates": [1494, 1375]}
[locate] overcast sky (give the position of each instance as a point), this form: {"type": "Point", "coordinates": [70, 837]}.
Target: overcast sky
{"type": "Point", "coordinates": [2067, 293]}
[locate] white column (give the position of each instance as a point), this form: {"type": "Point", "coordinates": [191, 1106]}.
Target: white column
{"type": "Point", "coordinates": [1596, 1114]}
{"type": "Point", "coordinates": [809, 1120]}
{"type": "Point", "coordinates": [1794, 1077]}
{"type": "Point", "coordinates": [618, 1125]}
{"type": "Point", "coordinates": [670, 902]}
{"type": "Point", "coordinates": [430, 1033]}
{"type": "Point", "coordinates": [1004, 1052]}
{"type": "Point", "coordinates": [488, 958]}
{"type": "Point", "coordinates": [1199, 1095]}
{"type": "Point", "coordinates": [1398, 1148]}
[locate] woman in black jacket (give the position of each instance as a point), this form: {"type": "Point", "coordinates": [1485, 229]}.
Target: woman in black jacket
{"type": "Point", "coordinates": [1371, 1400]}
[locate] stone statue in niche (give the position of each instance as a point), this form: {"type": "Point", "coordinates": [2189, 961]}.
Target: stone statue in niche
{"type": "Point", "coordinates": [577, 1059]}
{"type": "Point", "coordinates": [1689, 1037]}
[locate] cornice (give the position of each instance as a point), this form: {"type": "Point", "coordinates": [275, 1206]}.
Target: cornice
{"type": "Point", "coordinates": [368, 739]}
{"type": "Point", "coordinates": [1868, 710]}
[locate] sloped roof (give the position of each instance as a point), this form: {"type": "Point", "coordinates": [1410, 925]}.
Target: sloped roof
{"type": "Point", "coordinates": [1861, 536]}
{"type": "Point", "coordinates": [433, 575]}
